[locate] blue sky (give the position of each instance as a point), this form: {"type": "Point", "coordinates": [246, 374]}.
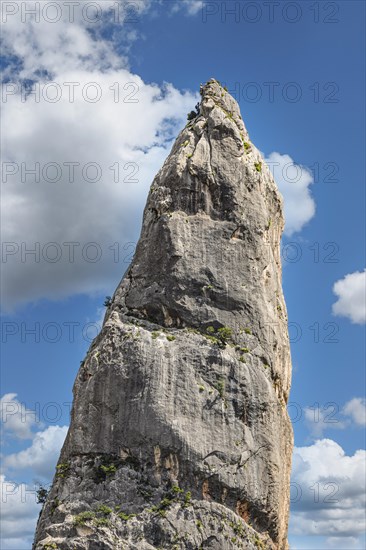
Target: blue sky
{"type": "Point", "coordinates": [312, 123]}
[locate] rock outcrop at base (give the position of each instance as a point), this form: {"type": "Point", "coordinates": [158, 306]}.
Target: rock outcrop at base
{"type": "Point", "coordinates": [179, 437]}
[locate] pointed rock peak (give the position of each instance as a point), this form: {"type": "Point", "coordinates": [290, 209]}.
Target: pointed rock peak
{"type": "Point", "coordinates": [213, 166]}
{"type": "Point", "coordinates": [218, 105]}
{"type": "Point", "coordinates": [213, 94]}
{"type": "Point", "coordinates": [180, 436]}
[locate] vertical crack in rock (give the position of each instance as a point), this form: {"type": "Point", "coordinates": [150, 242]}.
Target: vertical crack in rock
{"type": "Point", "coordinates": [179, 436]}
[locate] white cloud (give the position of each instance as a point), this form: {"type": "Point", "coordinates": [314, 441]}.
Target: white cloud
{"type": "Point", "coordinates": [131, 127]}
{"type": "Point", "coordinates": [16, 420]}
{"type": "Point", "coordinates": [330, 416]}
{"type": "Point", "coordinates": [135, 137]}
{"type": "Point", "coordinates": [41, 457]}
{"type": "Point", "coordinates": [328, 491]}
{"type": "Point", "coordinates": [294, 182]}
{"type": "Point", "coordinates": [19, 507]}
{"type": "Point", "coordinates": [19, 512]}
{"type": "Point", "coordinates": [351, 292]}
{"type": "Point", "coordinates": [356, 409]}
{"type": "Point", "coordinates": [53, 47]}
{"type": "Point", "coordinates": [320, 419]}
{"type": "Point", "coordinates": [192, 7]}
{"type": "Point", "coordinates": [69, 37]}
{"type": "Point", "coordinates": [344, 543]}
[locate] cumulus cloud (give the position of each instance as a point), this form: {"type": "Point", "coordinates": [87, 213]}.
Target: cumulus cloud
{"type": "Point", "coordinates": [19, 512]}
{"type": "Point", "coordinates": [356, 409]}
{"type": "Point", "coordinates": [294, 182]}
{"type": "Point", "coordinates": [93, 225]}
{"type": "Point", "coordinates": [95, 134]}
{"type": "Point", "coordinates": [351, 292]}
{"type": "Point", "coordinates": [328, 492]}
{"type": "Point", "coordinates": [41, 457]}
{"type": "Point", "coordinates": [83, 143]}
{"type": "Point", "coordinates": [16, 420]}
{"type": "Point", "coordinates": [19, 507]}
{"type": "Point", "coordinates": [61, 38]}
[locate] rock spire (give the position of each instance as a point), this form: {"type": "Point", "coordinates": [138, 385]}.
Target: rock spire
{"type": "Point", "coordinates": [179, 437]}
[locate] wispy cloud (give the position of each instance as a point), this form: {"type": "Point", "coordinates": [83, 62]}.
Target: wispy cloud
{"type": "Point", "coordinates": [332, 417]}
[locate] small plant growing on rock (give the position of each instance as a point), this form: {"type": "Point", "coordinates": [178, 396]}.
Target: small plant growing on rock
{"type": "Point", "coordinates": [108, 470]}
{"type": "Point", "coordinates": [126, 517]}
{"type": "Point", "coordinates": [187, 499]}
{"type": "Point", "coordinates": [247, 331]}
{"type": "Point", "coordinates": [42, 494]}
{"type": "Point", "coordinates": [107, 301]}
{"type": "Point", "coordinates": [170, 337]}
{"type": "Point", "coordinates": [201, 389]}
{"type": "Point", "coordinates": [220, 336]}
{"type": "Point", "coordinates": [211, 335]}
{"type": "Point", "coordinates": [84, 517]}
{"type": "Point", "coordinates": [259, 543]}
{"type": "Point", "coordinates": [193, 114]}
{"type": "Point", "coordinates": [101, 522]}
{"type": "Point", "coordinates": [220, 386]}
{"type": "Point", "coordinates": [62, 470]}
{"type": "Point", "coordinates": [164, 504]}
{"type": "Point", "coordinates": [154, 334]}
{"type": "Point", "coordinates": [224, 334]}
{"type": "Point", "coordinates": [105, 510]}
{"type": "Point", "coordinates": [258, 166]}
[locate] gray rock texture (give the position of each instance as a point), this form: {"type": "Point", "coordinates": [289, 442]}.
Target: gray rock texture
{"type": "Point", "coordinates": [180, 437]}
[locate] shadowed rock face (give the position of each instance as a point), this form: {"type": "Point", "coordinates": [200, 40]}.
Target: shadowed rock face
{"type": "Point", "coordinates": [179, 413]}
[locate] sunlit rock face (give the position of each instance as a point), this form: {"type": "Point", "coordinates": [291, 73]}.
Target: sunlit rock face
{"type": "Point", "coordinates": [180, 437]}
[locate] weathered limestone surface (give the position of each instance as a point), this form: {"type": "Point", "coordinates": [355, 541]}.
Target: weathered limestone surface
{"type": "Point", "coordinates": [183, 427]}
